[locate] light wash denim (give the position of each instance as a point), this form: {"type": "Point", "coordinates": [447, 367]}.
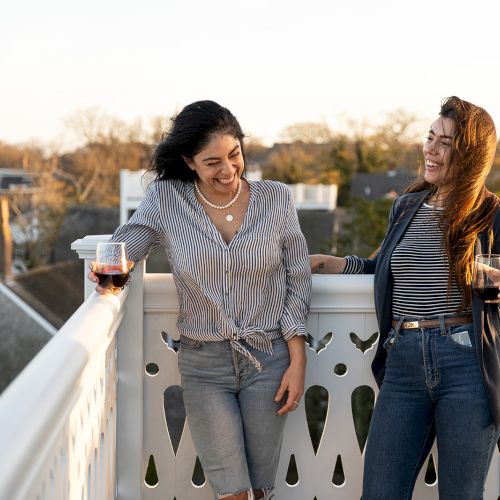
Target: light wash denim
{"type": "Point", "coordinates": [231, 412]}
{"type": "Point", "coordinates": [432, 388]}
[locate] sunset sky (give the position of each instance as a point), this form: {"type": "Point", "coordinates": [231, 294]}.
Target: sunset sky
{"type": "Point", "coordinates": [272, 62]}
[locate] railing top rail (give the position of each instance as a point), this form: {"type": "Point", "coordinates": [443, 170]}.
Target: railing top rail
{"type": "Point", "coordinates": [337, 292]}
{"type": "Point", "coordinates": [38, 400]}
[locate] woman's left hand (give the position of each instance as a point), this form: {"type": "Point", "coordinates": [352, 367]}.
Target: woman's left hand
{"type": "Point", "coordinates": [292, 381]}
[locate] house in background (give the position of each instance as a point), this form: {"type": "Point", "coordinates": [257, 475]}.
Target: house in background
{"type": "Point", "coordinates": [14, 178]}
{"type": "Point", "coordinates": [16, 190]}
{"type": "Point", "coordinates": [381, 185]}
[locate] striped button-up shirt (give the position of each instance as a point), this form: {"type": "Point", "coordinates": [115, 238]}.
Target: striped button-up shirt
{"type": "Point", "coordinates": [256, 288]}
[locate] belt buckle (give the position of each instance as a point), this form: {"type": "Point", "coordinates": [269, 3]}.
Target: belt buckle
{"type": "Point", "coordinates": [410, 324]}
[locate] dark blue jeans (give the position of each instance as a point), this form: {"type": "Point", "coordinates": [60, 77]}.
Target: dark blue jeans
{"type": "Point", "coordinates": [432, 389]}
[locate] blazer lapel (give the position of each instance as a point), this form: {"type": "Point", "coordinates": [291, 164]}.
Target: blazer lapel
{"type": "Point", "coordinates": [383, 277]}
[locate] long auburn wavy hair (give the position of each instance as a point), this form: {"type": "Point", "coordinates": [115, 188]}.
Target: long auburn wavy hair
{"type": "Point", "coordinates": [469, 207]}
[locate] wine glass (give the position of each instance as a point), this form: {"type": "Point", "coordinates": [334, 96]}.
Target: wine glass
{"type": "Point", "coordinates": [486, 277]}
{"type": "Point", "coordinates": [111, 265]}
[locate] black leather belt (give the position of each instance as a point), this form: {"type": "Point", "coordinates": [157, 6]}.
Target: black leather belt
{"type": "Point", "coordinates": [433, 323]}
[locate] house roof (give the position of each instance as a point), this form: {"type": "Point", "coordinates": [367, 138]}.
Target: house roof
{"type": "Point", "coordinates": [14, 177]}
{"type": "Point", "coordinates": [375, 186]}
{"type": "Point", "coordinates": [22, 335]}
{"type": "Point", "coordinates": [34, 306]}
{"type": "Point", "coordinates": [55, 291]}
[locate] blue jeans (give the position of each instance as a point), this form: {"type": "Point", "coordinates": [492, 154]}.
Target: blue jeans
{"type": "Point", "coordinates": [432, 389]}
{"type": "Point", "coordinates": [231, 412]}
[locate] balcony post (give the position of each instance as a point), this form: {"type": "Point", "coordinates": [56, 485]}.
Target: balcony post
{"type": "Point", "coordinates": [86, 248]}
{"type": "Point", "coordinates": [129, 407]}
{"type": "Point", "coordinates": [129, 436]}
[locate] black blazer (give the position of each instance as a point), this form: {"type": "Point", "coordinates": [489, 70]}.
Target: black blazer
{"type": "Point", "coordinates": [485, 316]}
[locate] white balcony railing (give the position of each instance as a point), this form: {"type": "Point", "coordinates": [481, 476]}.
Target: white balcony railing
{"type": "Point", "coordinates": [83, 420]}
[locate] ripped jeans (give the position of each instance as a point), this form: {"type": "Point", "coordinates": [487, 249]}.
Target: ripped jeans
{"type": "Point", "coordinates": [231, 413]}
{"type": "Point", "coordinates": [432, 389]}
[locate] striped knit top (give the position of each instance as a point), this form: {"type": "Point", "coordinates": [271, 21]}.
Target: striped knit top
{"type": "Point", "coordinates": [420, 269]}
{"type": "Point", "coordinates": [256, 288]}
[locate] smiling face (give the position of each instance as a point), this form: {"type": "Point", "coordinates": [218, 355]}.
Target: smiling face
{"type": "Point", "coordinates": [437, 152]}
{"type": "Point", "coordinates": [219, 166]}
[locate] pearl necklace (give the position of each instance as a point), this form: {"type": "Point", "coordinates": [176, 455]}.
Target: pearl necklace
{"type": "Point", "coordinates": [229, 217]}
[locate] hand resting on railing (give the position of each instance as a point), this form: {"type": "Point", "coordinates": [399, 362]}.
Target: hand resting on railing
{"type": "Point", "coordinates": [104, 290]}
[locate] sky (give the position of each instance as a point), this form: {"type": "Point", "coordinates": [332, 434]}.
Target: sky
{"type": "Point", "coordinates": [271, 62]}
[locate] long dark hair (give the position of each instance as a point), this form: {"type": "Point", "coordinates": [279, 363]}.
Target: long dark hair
{"type": "Point", "coordinates": [190, 132]}
{"type": "Point", "coordinates": [469, 207]}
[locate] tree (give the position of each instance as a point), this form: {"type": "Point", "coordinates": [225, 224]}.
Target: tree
{"type": "Point", "coordinates": [307, 132]}
{"type": "Point", "coordinates": [10, 156]}
{"type": "Point", "coordinates": [159, 125]}
{"type": "Point", "coordinates": [391, 145]}
{"type": "Point", "coordinates": [366, 230]}
{"type": "Point", "coordinates": [109, 144]}
{"type": "Point", "coordinates": [304, 157]}
{"type": "Point", "coordinates": [399, 138]}
{"type": "Point", "coordinates": [345, 162]}
{"type": "Point", "coordinates": [255, 151]}
{"type": "Point", "coordinates": [21, 156]}
{"type": "Point", "coordinates": [289, 164]}
{"type": "Point", "coordinates": [39, 211]}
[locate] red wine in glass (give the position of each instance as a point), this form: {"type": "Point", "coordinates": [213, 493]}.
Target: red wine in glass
{"type": "Point", "coordinates": [112, 266]}
{"type": "Point", "coordinates": [486, 277]}
{"type": "Point", "coordinates": [111, 276]}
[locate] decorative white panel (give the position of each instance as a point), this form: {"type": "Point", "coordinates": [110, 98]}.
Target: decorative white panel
{"type": "Point", "coordinates": [342, 316]}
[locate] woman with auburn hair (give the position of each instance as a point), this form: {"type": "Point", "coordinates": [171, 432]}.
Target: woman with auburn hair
{"type": "Point", "coordinates": [438, 358]}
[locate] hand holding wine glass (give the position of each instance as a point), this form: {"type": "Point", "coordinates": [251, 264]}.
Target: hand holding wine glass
{"type": "Point", "coordinates": [111, 269]}
{"type": "Point", "coordinates": [486, 278]}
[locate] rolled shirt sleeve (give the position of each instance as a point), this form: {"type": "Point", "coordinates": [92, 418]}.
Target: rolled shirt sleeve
{"type": "Point", "coordinates": [298, 276]}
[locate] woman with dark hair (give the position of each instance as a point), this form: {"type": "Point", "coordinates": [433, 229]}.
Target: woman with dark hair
{"type": "Point", "coordinates": [241, 269]}
{"type": "Point", "coordinates": [437, 361]}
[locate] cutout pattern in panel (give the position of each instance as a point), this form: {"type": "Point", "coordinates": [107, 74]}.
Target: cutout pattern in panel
{"type": "Point", "coordinates": [322, 436]}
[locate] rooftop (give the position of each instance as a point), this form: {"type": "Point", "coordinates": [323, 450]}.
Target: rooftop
{"type": "Point", "coordinates": [100, 436]}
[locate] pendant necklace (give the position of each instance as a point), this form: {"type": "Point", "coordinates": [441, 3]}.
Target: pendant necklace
{"type": "Point", "coordinates": [229, 217]}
